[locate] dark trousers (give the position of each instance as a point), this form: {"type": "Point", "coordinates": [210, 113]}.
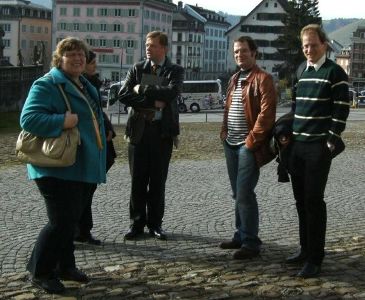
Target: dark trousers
{"type": "Point", "coordinates": [54, 248]}
{"type": "Point", "coordinates": [309, 165]}
{"type": "Point", "coordinates": [149, 162]}
{"type": "Point", "coordinates": [86, 219]}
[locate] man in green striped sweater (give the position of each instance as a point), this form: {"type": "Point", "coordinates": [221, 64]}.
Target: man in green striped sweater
{"type": "Point", "coordinates": [321, 108]}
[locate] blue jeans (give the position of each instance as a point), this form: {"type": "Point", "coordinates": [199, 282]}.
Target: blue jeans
{"type": "Point", "coordinates": [243, 174]}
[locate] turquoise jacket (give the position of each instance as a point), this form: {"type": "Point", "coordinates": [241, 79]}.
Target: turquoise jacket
{"type": "Point", "coordinates": [43, 115]}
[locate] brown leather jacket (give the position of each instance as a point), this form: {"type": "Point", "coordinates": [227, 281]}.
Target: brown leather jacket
{"type": "Point", "coordinates": [259, 102]}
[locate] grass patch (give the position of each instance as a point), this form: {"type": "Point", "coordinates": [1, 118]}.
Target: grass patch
{"type": "Point", "coordinates": [9, 122]}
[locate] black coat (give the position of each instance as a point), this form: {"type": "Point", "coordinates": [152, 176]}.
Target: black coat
{"type": "Point", "coordinates": [110, 150]}
{"type": "Point", "coordinates": [167, 92]}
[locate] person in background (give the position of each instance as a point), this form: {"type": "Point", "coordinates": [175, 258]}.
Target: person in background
{"type": "Point", "coordinates": [249, 116]}
{"type": "Point", "coordinates": [83, 231]}
{"type": "Point", "coordinates": [64, 189]}
{"type": "Point", "coordinates": [321, 107]}
{"type": "Point", "coordinates": [152, 128]}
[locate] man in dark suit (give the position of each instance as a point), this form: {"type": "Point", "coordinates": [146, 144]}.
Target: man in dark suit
{"type": "Point", "coordinates": [150, 91]}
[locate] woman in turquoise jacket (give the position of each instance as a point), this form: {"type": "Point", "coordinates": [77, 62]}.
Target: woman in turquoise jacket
{"type": "Point", "coordinates": [44, 114]}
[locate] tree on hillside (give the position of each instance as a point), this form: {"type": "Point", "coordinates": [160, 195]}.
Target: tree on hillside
{"type": "Point", "coordinates": [299, 14]}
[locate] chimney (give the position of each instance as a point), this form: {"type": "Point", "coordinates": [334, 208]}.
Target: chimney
{"type": "Point", "coordinates": [179, 5]}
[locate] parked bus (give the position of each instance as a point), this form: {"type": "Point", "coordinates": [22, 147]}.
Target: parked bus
{"type": "Point", "coordinates": [196, 95]}
{"type": "Point", "coordinates": [200, 94]}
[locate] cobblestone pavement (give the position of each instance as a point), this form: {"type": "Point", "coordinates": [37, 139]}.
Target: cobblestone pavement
{"type": "Point", "coordinates": [199, 214]}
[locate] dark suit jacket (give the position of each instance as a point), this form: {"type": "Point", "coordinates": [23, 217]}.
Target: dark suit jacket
{"type": "Point", "coordinates": [168, 92]}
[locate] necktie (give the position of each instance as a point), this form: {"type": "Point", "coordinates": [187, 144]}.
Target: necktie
{"type": "Point", "coordinates": [154, 69]}
{"type": "Point", "coordinates": [310, 69]}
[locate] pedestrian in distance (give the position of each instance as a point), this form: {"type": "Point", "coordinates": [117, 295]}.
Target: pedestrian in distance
{"type": "Point", "coordinates": [151, 90]}
{"type": "Point", "coordinates": [321, 107]}
{"type": "Point", "coordinates": [83, 231]}
{"type": "Point", "coordinates": [64, 189]}
{"type": "Point", "coordinates": [249, 116]}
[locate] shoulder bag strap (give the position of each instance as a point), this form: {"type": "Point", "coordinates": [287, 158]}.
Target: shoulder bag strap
{"type": "Point", "coordinates": [95, 122]}
{"type": "Point", "coordinates": [64, 97]}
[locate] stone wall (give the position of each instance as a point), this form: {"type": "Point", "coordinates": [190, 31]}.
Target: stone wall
{"type": "Point", "coordinates": [15, 83]}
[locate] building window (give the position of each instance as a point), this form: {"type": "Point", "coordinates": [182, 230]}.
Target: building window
{"type": "Point", "coordinates": [103, 12]}
{"type": "Point", "coordinates": [24, 44]}
{"type": "Point", "coordinates": [102, 42]}
{"type": "Point", "coordinates": [63, 26]}
{"type": "Point", "coordinates": [6, 43]}
{"type": "Point", "coordinates": [129, 59]}
{"type": "Point", "coordinates": [31, 28]}
{"type": "Point", "coordinates": [24, 28]}
{"type": "Point", "coordinates": [116, 43]}
{"type": "Point", "coordinates": [131, 27]}
{"type": "Point", "coordinates": [103, 27]}
{"type": "Point", "coordinates": [146, 28]}
{"type": "Point", "coordinates": [63, 11]}
{"type": "Point", "coordinates": [147, 14]}
{"type": "Point", "coordinates": [130, 44]}
{"type": "Point", "coordinates": [114, 76]}
{"type": "Point", "coordinates": [45, 29]}
{"type": "Point", "coordinates": [117, 12]}
{"type": "Point", "coordinates": [76, 26]}
{"type": "Point", "coordinates": [89, 27]}
{"type": "Point", "coordinates": [76, 11]}
{"type": "Point", "coordinates": [6, 27]}
{"type": "Point", "coordinates": [90, 11]}
{"type": "Point", "coordinates": [131, 12]}
{"type": "Point", "coordinates": [39, 29]}
{"type": "Point", "coordinates": [179, 37]}
{"type": "Point", "coordinates": [115, 59]}
{"type": "Point", "coordinates": [117, 28]}
{"type": "Point", "coordinates": [90, 42]}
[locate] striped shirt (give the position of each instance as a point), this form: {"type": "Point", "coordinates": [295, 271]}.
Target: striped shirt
{"type": "Point", "coordinates": [237, 124]}
{"type": "Point", "coordinates": [322, 103]}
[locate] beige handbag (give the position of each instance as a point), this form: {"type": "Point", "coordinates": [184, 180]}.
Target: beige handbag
{"type": "Point", "coordinates": [49, 152]}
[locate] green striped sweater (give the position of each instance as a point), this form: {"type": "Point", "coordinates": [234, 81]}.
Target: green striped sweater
{"type": "Point", "coordinates": [322, 104]}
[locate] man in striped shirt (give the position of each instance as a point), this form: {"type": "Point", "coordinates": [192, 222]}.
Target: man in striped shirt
{"type": "Point", "coordinates": [321, 108]}
{"type": "Point", "coordinates": [249, 116]}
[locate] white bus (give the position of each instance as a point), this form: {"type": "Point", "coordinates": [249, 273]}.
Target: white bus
{"type": "Point", "coordinates": [195, 95]}
{"type": "Point", "coordinates": [200, 94]}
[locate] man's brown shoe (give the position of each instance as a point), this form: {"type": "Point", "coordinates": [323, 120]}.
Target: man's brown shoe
{"type": "Point", "coordinates": [232, 244]}
{"type": "Point", "coordinates": [245, 253]}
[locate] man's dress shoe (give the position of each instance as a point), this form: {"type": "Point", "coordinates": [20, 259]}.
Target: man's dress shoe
{"type": "Point", "coordinates": [298, 257]}
{"type": "Point", "coordinates": [232, 244]}
{"type": "Point", "coordinates": [87, 239]}
{"type": "Point", "coordinates": [245, 253]}
{"type": "Point", "coordinates": [158, 233]}
{"type": "Point", "coordinates": [50, 285]}
{"type": "Point", "coordinates": [133, 233]}
{"type": "Point", "coordinates": [309, 270]}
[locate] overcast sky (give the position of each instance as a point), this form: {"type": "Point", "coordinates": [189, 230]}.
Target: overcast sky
{"type": "Point", "coordinates": [329, 9]}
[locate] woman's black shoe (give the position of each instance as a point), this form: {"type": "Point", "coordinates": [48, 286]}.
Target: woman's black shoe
{"type": "Point", "coordinates": [50, 285]}
{"type": "Point", "coordinates": [73, 274]}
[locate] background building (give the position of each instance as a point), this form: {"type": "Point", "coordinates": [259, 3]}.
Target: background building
{"type": "Point", "coordinates": [188, 43]}
{"type": "Point", "coordinates": [27, 29]}
{"type": "Point", "coordinates": [114, 29]}
{"type": "Point", "coordinates": [264, 25]}
{"type": "Point", "coordinates": [215, 41]}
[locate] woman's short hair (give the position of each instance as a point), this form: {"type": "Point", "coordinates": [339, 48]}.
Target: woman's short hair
{"type": "Point", "coordinates": [67, 44]}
